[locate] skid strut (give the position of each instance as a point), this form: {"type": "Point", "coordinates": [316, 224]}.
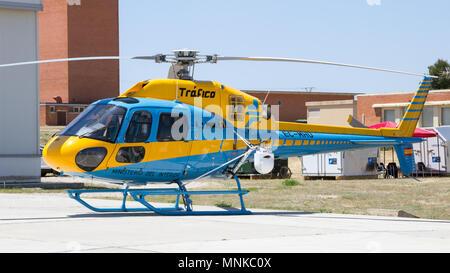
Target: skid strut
{"type": "Point", "coordinates": [140, 194]}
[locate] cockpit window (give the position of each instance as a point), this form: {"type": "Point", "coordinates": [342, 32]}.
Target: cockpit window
{"type": "Point", "coordinates": [98, 121]}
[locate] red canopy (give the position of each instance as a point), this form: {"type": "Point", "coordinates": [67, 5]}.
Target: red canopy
{"type": "Point", "coordinates": [417, 133]}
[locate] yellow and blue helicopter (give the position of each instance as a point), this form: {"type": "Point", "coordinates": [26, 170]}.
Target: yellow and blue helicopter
{"type": "Point", "coordinates": [178, 130]}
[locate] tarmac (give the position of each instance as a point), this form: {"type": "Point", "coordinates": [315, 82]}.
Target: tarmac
{"type": "Point", "coordinates": [54, 223]}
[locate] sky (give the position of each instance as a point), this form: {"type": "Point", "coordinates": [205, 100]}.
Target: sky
{"type": "Point", "coordinates": [406, 35]}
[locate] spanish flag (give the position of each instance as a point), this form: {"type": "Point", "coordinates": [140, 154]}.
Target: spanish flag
{"type": "Point", "coordinates": [408, 151]}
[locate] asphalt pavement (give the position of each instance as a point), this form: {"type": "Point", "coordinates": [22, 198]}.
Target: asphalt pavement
{"type": "Point", "coordinates": [52, 222]}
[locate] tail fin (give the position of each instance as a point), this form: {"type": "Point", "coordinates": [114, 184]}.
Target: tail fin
{"type": "Point", "coordinates": [412, 115]}
{"type": "Point", "coordinates": [405, 158]}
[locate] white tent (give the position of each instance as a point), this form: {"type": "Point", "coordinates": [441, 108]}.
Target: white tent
{"type": "Point", "coordinates": [432, 155]}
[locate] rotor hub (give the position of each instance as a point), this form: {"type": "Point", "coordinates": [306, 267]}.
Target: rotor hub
{"type": "Point", "coordinates": [183, 62]}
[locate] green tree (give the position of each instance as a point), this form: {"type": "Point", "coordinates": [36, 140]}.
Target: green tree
{"type": "Point", "coordinates": [436, 70]}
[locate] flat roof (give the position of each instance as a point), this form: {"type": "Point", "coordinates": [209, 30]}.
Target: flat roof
{"type": "Point", "coordinates": [330, 102]}
{"type": "Point", "coordinates": [402, 93]}
{"type": "Point", "coordinates": [62, 104]}
{"type": "Point", "coordinates": [404, 104]}
{"type": "Point", "coordinates": [299, 92]}
{"type": "Point", "coordinates": [22, 4]}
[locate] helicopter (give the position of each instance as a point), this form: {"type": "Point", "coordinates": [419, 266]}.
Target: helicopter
{"type": "Point", "coordinates": [179, 130]}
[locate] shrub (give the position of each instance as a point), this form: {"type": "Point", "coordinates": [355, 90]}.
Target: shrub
{"type": "Point", "coordinates": [291, 182]}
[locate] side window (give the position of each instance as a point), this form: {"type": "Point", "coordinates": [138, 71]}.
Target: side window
{"type": "Point", "coordinates": [445, 116]}
{"type": "Point", "coordinates": [389, 115]}
{"type": "Point", "coordinates": [130, 154]}
{"type": "Point", "coordinates": [237, 108]}
{"type": "Point", "coordinates": [427, 117]}
{"type": "Point", "coordinates": [139, 128]}
{"type": "Point", "coordinates": [168, 123]}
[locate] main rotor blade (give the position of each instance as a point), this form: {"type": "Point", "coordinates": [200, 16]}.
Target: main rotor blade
{"type": "Point", "coordinates": [271, 59]}
{"type": "Point", "coordinates": [80, 59]}
{"type": "Point", "coordinates": [144, 57]}
{"type": "Point", "coordinates": [65, 60]}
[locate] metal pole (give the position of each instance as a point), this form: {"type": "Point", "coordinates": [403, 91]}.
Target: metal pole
{"type": "Point", "coordinates": [439, 157]}
{"type": "Point", "coordinates": [393, 154]}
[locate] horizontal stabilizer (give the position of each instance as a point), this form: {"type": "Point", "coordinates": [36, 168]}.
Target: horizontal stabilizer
{"type": "Point", "coordinates": [375, 142]}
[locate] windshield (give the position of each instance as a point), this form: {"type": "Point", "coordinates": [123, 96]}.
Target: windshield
{"type": "Point", "coordinates": [98, 121]}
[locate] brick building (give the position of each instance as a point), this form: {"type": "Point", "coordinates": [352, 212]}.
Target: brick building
{"type": "Point", "coordinates": [377, 108]}
{"type": "Point", "coordinates": [77, 28]}
{"type": "Point", "coordinates": [293, 104]}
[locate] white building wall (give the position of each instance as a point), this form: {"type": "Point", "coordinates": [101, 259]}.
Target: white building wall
{"type": "Point", "coordinates": [19, 91]}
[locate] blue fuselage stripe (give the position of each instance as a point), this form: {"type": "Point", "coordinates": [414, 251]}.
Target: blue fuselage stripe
{"type": "Point", "coordinates": [191, 167]}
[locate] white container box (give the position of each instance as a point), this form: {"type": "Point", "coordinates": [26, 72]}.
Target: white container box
{"type": "Point", "coordinates": [359, 162]}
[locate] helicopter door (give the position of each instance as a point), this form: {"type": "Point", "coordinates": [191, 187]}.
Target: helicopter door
{"type": "Point", "coordinates": [132, 147]}
{"type": "Point", "coordinates": [205, 151]}
{"type": "Point", "coordinates": [170, 152]}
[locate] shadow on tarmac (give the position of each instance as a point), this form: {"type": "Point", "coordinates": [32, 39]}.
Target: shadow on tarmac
{"type": "Point", "coordinates": [270, 213]}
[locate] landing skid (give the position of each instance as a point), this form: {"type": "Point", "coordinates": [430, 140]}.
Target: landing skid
{"type": "Point", "coordinates": [140, 194]}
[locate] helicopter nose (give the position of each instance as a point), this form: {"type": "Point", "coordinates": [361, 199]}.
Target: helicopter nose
{"type": "Point", "coordinates": [72, 154]}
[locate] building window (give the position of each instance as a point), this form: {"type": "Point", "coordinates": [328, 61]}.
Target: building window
{"type": "Point", "coordinates": [76, 110]}
{"type": "Point", "coordinates": [130, 154]}
{"type": "Point", "coordinates": [166, 127]}
{"type": "Point", "coordinates": [427, 117]}
{"type": "Point", "coordinates": [52, 109]}
{"type": "Point", "coordinates": [389, 115]}
{"type": "Point", "coordinates": [139, 128]}
{"type": "Point", "coordinates": [445, 116]}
